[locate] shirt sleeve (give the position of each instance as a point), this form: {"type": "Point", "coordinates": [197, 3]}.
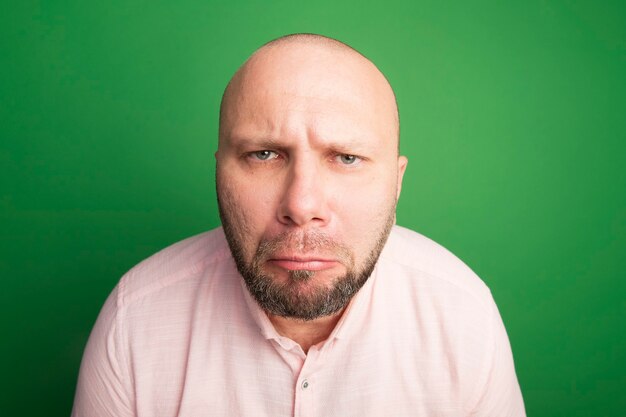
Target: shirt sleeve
{"type": "Point", "coordinates": [104, 383]}
{"type": "Point", "coordinates": [501, 395]}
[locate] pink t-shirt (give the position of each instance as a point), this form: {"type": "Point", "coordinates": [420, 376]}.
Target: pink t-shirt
{"type": "Point", "coordinates": [181, 336]}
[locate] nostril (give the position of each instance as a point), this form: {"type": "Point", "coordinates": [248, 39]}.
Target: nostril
{"type": "Point", "coordinates": [299, 210]}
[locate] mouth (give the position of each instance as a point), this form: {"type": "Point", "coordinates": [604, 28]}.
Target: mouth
{"type": "Point", "coordinates": [297, 263]}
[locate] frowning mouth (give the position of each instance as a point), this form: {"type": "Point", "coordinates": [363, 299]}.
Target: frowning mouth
{"type": "Point", "coordinates": [294, 263]}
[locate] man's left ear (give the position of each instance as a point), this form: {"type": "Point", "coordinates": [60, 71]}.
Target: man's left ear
{"type": "Point", "coordinates": [402, 161]}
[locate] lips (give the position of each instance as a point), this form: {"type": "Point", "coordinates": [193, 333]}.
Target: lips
{"type": "Point", "coordinates": [309, 263]}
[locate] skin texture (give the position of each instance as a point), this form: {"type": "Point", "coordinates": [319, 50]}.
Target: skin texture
{"type": "Point", "coordinates": [308, 177]}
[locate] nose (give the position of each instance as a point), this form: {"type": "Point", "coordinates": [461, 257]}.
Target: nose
{"type": "Point", "coordinates": [304, 198]}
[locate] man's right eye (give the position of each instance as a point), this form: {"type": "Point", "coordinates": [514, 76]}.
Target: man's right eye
{"type": "Point", "coordinates": [264, 155]}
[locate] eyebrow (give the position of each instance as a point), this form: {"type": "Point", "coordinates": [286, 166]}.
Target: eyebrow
{"type": "Point", "coordinates": [348, 146]}
{"type": "Point", "coordinates": [240, 142]}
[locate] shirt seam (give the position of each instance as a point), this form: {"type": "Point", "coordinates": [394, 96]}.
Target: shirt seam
{"type": "Point", "coordinates": [121, 336]}
{"type": "Point", "coordinates": [479, 394]}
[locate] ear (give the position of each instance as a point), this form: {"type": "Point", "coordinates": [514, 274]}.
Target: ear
{"type": "Point", "coordinates": [402, 162]}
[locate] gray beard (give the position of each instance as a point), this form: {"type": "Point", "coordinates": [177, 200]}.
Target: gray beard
{"type": "Point", "coordinates": [288, 299]}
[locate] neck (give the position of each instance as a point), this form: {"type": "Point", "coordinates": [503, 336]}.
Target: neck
{"type": "Point", "coordinates": [306, 333]}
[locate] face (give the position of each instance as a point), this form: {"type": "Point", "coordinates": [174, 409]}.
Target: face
{"type": "Point", "coordinates": [308, 176]}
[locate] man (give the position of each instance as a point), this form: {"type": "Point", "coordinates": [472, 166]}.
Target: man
{"type": "Point", "coordinates": [309, 302]}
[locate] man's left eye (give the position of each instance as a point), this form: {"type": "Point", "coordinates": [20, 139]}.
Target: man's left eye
{"type": "Point", "coordinates": [348, 159]}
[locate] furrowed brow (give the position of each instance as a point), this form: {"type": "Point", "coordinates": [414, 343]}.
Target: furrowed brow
{"type": "Point", "coordinates": [350, 147]}
{"type": "Point", "coordinates": [247, 142]}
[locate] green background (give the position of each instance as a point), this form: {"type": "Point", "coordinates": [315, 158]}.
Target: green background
{"type": "Point", "coordinates": [513, 119]}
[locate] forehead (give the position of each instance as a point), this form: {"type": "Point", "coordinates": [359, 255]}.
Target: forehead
{"type": "Point", "coordinates": [336, 95]}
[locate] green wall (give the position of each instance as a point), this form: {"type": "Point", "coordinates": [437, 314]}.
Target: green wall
{"type": "Point", "coordinates": [513, 119]}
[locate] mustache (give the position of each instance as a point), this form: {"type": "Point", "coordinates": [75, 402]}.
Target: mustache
{"type": "Point", "coordinates": [303, 242]}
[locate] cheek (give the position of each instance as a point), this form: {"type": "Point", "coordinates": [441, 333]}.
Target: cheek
{"type": "Point", "coordinates": [364, 208]}
{"type": "Point", "coordinates": [249, 206]}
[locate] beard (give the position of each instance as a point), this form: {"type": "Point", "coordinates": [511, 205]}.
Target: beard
{"type": "Point", "coordinates": [295, 298]}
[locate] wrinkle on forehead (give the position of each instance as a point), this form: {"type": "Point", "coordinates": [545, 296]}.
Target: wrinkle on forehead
{"type": "Point", "coordinates": [300, 74]}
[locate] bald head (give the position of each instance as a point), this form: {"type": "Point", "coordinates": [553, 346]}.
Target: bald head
{"type": "Point", "coordinates": [308, 69]}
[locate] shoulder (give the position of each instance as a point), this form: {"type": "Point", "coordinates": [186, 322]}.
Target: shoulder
{"type": "Point", "coordinates": [426, 263]}
{"type": "Point", "coordinates": [142, 334]}
{"type": "Point", "coordinates": [173, 266]}
{"type": "Point", "coordinates": [445, 311]}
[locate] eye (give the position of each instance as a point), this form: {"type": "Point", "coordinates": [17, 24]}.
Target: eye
{"type": "Point", "coordinates": [263, 155]}
{"type": "Point", "coordinates": [347, 159]}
